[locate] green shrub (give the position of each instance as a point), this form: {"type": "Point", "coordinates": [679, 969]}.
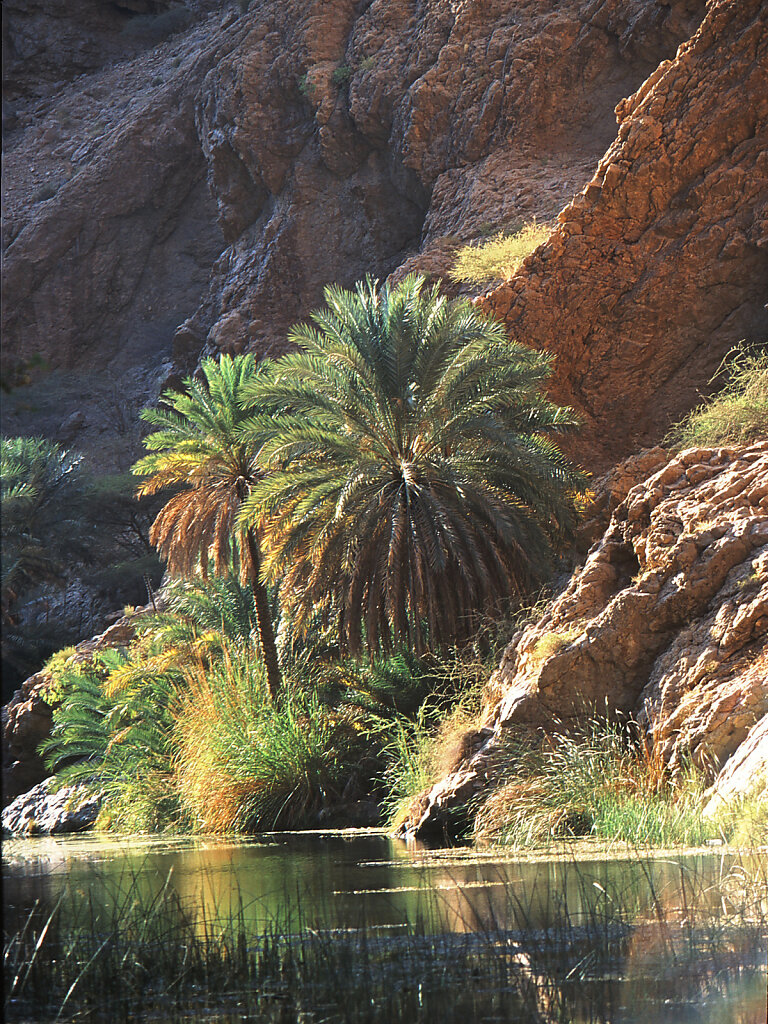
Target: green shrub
{"type": "Point", "coordinates": [498, 257]}
{"type": "Point", "coordinates": [306, 88]}
{"type": "Point", "coordinates": [410, 762]}
{"type": "Point", "coordinates": [44, 527]}
{"type": "Point", "coordinates": [113, 728]}
{"type": "Point", "coordinates": [41, 500]}
{"type": "Point", "coordinates": [341, 75]}
{"type": "Point", "coordinates": [599, 782]}
{"type": "Point", "coordinates": [738, 414]}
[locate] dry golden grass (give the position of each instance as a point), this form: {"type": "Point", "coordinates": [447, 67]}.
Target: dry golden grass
{"type": "Point", "coordinates": [499, 256]}
{"type": "Point", "coordinates": [555, 641]}
{"type": "Point", "coordinates": [737, 415]}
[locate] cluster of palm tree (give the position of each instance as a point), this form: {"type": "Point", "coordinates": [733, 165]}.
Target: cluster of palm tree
{"type": "Point", "coordinates": [397, 476]}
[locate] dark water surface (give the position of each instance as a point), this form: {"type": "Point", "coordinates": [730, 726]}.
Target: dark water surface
{"type": "Point", "coordinates": [356, 880]}
{"type": "Point", "coordinates": [350, 878]}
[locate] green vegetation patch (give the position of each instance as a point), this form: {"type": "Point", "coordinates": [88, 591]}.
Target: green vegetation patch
{"type": "Point", "coordinates": [498, 257]}
{"type": "Point", "coordinates": [604, 781]}
{"type": "Point", "coordinates": [738, 414]}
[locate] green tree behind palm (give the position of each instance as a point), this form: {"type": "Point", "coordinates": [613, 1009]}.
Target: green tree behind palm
{"type": "Point", "coordinates": [199, 445]}
{"type": "Point", "coordinates": [412, 480]}
{"type": "Point", "coordinates": [42, 488]}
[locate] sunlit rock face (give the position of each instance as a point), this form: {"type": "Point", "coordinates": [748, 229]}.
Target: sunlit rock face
{"type": "Point", "coordinates": [667, 622]}
{"type": "Point", "coordinates": [48, 810]}
{"type": "Point", "coordinates": [660, 264]}
{"type": "Point", "coordinates": [746, 771]}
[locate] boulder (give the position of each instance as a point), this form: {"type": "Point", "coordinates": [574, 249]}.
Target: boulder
{"type": "Point", "coordinates": [50, 811]}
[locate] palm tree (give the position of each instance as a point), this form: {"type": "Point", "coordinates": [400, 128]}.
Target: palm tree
{"type": "Point", "coordinates": [43, 515]}
{"type": "Point", "coordinates": [199, 445]}
{"type": "Point", "coordinates": [42, 488]}
{"type": "Point", "coordinates": [412, 480]}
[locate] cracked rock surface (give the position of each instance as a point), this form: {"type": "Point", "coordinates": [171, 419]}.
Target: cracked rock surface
{"type": "Point", "coordinates": [660, 264]}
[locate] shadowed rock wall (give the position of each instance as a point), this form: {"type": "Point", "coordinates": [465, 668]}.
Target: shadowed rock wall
{"type": "Point", "coordinates": [299, 144]}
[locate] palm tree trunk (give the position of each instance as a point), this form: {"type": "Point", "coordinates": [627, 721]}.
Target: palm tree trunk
{"type": "Point", "coordinates": [264, 619]}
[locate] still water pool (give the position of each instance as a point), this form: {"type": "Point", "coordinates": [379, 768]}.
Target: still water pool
{"type": "Point", "coordinates": [690, 929]}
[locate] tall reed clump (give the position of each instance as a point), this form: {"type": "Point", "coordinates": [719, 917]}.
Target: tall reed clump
{"type": "Point", "coordinates": [499, 256]}
{"type": "Point", "coordinates": [247, 762]}
{"type": "Point", "coordinates": [738, 414]}
{"type": "Point", "coordinates": [598, 781]}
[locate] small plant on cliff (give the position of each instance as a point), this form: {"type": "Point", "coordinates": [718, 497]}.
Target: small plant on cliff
{"type": "Point", "coordinates": [498, 257]}
{"type": "Point", "coordinates": [737, 415]}
{"type": "Point", "coordinates": [555, 641]}
{"type": "Point", "coordinates": [414, 482]}
{"type": "Point", "coordinates": [341, 75]}
{"type": "Point", "coordinates": [306, 88]}
{"type": "Point", "coordinates": [199, 444]}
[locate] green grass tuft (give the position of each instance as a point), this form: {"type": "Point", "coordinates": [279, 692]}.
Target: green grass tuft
{"type": "Point", "coordinates": [737, 415]}
{"type": "Point", "coordinates": [600, 782]}
{"type": "Point", "coordinates": [499, 256]}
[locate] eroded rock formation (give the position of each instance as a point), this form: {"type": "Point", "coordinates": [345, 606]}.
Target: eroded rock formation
{"type": "Point", "coordinates": [344, 139]}
{"type": "Point", "coordinates": [666, 621]}
{"type": "Point", "coordinates": [661, 263]}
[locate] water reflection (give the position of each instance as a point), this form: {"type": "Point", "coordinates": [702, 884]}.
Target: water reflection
{"type": "Point", "coordinates": [348, 880]}
{"type": "Point", "coordinates": [629, 933]}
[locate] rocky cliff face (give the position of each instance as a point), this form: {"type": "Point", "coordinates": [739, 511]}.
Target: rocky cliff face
{"type": "Point", "coordinates": [214, 181]}
{"type": "Point", "coordinates": [666, 621]}
{"type": "Point", "coordinates": [348, 138]}
{"type": "Point", "coordinates": [661, 263]}
{"type": "Point", "coordinates": [109, 228]}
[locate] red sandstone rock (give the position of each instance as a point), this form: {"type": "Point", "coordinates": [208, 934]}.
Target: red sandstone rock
{"type": "Point", "coordinates": [660, 264]}
{"type": "Point", "coordinates": [336, 140]}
